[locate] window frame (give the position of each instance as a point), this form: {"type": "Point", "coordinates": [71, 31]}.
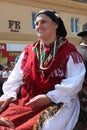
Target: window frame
{"type": "Point", "coordinates": [33, 20]}
{"type": "Point", "coordinates": [74, 25]}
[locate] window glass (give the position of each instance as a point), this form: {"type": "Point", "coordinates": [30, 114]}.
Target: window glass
{"type": "Point", "coordinates": [33, 20]}
{"type": "Point", "coordinates": [74, 25]}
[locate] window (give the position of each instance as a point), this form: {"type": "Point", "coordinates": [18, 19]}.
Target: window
{"type": "Point", "coordinates": [74, 25]}
{"type": "Point", "coordinates": [33, 20]}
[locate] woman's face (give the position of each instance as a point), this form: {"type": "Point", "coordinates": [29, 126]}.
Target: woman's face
{"type": "Point", "coordinates": [45, 27]}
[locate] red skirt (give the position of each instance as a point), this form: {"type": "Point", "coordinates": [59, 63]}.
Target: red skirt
{"type": "Point", "coordinates": [22, 117]}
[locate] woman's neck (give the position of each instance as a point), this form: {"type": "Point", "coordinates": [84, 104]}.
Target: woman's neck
{"type": "Point", "coordinates": [48, 42]}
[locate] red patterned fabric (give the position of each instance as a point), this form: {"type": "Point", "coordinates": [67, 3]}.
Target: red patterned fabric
{"type": "Point", "coordinates": [35, 82]}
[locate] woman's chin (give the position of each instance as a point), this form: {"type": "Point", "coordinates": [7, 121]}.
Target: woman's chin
{"type": "Point", "coordinates": [41, 36]}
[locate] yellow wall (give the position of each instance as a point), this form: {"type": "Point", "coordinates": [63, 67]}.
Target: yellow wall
{"type": "Point", "coordinates": [21, 11]}
{"type": "Point", "coordinates": [16, 13]}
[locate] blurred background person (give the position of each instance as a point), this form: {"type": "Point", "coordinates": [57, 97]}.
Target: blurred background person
{"type": "Point", "coordinates": [5, 73]}
{"type": "Point", "coordinates": [1, 80]}
{"type": "Point", "coordinates": [82, 48]}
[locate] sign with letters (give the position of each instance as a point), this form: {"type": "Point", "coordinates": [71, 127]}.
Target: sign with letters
{"type": "Point", "coordinates": [2, 46]}
{"type": "Point", "coordinates": [10, 55]}
{"type": "Point", "coordinates": [14, 26]}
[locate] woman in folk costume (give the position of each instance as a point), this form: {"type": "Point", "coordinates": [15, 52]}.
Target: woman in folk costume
{"type": "Point", "coordinates": [42, 91]}
{"type": "Point", "coordinates": [82, 48]}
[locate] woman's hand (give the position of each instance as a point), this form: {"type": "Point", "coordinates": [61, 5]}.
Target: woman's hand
{"type": "Point", "coordinates": [38, 101]}
{"type": "Point", "coordinates": [6, 122]}
{"type": "Point", "coordinates": [4, 103]}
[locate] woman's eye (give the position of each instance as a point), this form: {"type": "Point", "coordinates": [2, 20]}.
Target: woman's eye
{"type": "Point", "coordinates": [41, 22]}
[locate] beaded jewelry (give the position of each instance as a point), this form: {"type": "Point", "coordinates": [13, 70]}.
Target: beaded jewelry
{"type": "Point", "coordinates": [43, 57]}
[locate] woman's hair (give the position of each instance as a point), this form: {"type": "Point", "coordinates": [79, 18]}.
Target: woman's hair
{"type": "Point", "coordinates": [61, 30]}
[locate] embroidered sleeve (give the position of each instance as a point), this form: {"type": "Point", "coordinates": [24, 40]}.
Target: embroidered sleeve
{"type": "Point", "coordinates": [71, 85]}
